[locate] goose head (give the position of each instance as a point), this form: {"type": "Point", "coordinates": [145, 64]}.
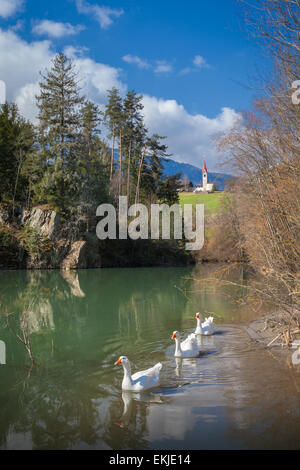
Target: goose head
{"type": "Point", "coordinates": [199, 316]}
{"type": "Point", "coordinates": [176, 335]}
{"type": "Point", "coordinates": [124, 361]}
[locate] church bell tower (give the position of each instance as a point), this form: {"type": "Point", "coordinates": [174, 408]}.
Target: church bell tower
{"type": "Point", "coordinates": [204, 177]}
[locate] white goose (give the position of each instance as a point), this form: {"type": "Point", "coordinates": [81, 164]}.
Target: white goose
{"type": "Point", "coordinates": [188, 347]}
{"type": "Point", "coordinates": [140, 380]}
{"type": "Point", "coordinates": [206, 328]}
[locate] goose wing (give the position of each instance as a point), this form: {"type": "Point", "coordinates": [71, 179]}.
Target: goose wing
{"type": "Point", "coordinates": [208, 328]}
{"type": "Point", "coordinates": [151, 373]}
{"type": "Point", "coordinates": [190, 343]}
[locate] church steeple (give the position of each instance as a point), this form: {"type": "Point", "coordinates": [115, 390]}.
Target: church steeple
{"type": "Point", "coordinates": [204, 177]}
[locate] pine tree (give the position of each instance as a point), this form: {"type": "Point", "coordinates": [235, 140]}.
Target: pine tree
{"type": "Point", "coordinates": [151, 165]}
{"type": "Point", "coordinates": [113, 119]}
{"type": "Point", "coordinates": [16, 145]}
{"type": "Point", "coordinates": [168, 189]}
{"type": "Point", "coordinates": [25, 152]}
{"type": "Point", "coordinates": [133, 124]}
{"type": "Point", "coordinates": [93, 162]}
{"type": "Point", "coordinates": [59, 127]}
{"type": "Point", "coordinates": [91, 118]}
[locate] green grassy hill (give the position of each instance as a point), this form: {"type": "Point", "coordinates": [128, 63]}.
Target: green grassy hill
{"type": "Point", "coordinates": [212, 202]}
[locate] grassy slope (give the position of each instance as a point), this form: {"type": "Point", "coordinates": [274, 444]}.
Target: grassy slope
{"type": "Point", "coordinates": [220, 240]}
{"type": "Point", "coordinates": [212, 202]}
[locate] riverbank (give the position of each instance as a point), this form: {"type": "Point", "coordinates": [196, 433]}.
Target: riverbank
{"type": "Point", "coordinates": [41, 238]}
{"type": "Point", "coordinates": [222, 240]}
{"type": "Point", "coordinates": [276, 331]}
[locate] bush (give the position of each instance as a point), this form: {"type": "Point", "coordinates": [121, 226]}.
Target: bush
{"type": "Point", "coordinates": [11, 252]}
{"type": "Point", "coordinates": [34, 243]}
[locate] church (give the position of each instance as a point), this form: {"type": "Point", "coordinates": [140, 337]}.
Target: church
{"type": "Point", "coordinates": [206, 186]}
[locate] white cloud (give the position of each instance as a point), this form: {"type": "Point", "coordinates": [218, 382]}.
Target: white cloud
{"type": "Point", "coordinates": [18, 26]}
{"type": "Point", "coordinates": [190, 138]}
{"type": "Point", "coordinates": [133, 59]}
{"type": "Point", "coordinates": [74, 52]}
{"type": "Point", "coordinates": [162, 67]}
{"type": "Point", "coordinates": [200, 62]}
{"type": "Point", "coordinates": [95, 78]}
{"type": "Point", "coordinates": [9, 7]}
{"type": "Point", "coordinates": [185, 71]}
{"type": "Point", "coordinates": [20, 63]}
{"type": "Point", "coordinates": [104, 15]}
{"type": "Point", "coordinates": [26, 101]}
{"type": "Point", "coordinates": [56, 29]}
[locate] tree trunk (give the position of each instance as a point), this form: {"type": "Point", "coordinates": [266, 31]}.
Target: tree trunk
{"type": "Point", "coordinates": [120, 163]}
{"type": "Point", "coordinates": [29, 194]}
{"type": "Point", "coordinates": [137, 193]}
{"type": "Point", "coordinates": [112, 154]}
{"type": "Point", "coordinates": [16, 183]}
{"type": "Point", "coordinates": [128, 173]}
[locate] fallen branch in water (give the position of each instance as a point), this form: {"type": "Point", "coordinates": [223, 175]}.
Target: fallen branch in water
{"type": "Point", "coordinates": [287, 338]}
{"type": "Point", "coordinates": [24, 329]}
{"type": "Point", "coordinates": [271, 342]}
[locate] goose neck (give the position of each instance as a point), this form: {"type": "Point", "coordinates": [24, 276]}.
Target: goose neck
{"type": "Point", "coordinates": [199, 326]}
{"type": "Point", "coordinates": [127, 373]}
{"type": "Point", "coordinates": [177, 346]}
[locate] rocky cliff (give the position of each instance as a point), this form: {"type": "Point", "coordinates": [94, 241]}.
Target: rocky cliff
{"type": "Point", "coordinates": [41, 239]}
{"type": "Point", "coordinates": [38, 239]}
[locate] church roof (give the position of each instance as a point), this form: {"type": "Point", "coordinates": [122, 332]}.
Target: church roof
{"type": "Point", "coordinates": [204, 167]}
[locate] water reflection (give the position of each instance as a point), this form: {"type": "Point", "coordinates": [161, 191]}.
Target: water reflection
{"type": "Point", "coordinates": [80, 322]}
{"type": "Point", "coordinates": [73, 280]}
{"type": "Point", "coordinates": [129, 398]}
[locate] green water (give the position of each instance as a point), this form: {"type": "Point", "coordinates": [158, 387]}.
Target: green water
{"type": "Point", "coordinates": [234, 396]}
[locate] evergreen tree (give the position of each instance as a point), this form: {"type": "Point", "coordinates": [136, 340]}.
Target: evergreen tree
{"type": "Point", "coordinates": [133, 124]}
{"type": "Point", "coordinates": [168, 189]}
{"type": "Point", "coordinates": [25, 154]}
{"type": "Point", "coordinates": [16, 145]}
{"type": "Point", "coordinates": [151, 165]}
{"type": "Point", "coordinates": [113, 117]}
{"type": "Point", "coordinates": [91, 118]}
{"type": "Point", "coordinates": [93, 162]}
{"type": "Point", "coordinates": [59, 127]}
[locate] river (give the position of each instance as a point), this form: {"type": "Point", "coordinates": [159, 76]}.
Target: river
{"type": "Point", "coordinates": [236, 395]}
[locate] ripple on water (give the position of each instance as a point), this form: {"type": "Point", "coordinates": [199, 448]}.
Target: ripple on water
{"type": "Point", "coordinates": [216, 366]}
{"type": "Point", "coordinates": [230, 342]}
{"type": "Point", "coordinates": [209, 368]}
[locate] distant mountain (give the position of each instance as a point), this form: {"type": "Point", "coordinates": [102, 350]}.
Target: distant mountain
{"type": "Point", "coordinates": [195, 174]}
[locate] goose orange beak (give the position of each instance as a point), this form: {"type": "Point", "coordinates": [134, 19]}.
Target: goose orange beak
{"type": "Point", "coordinates": [173, 335]}
{"type": "Point", "coordinates": [117, 362]}
{"type": "Point", "coordinates": [197, 315]}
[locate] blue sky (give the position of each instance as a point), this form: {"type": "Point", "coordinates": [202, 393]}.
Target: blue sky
{"type": "Point", "coordinates": [192, 60]}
